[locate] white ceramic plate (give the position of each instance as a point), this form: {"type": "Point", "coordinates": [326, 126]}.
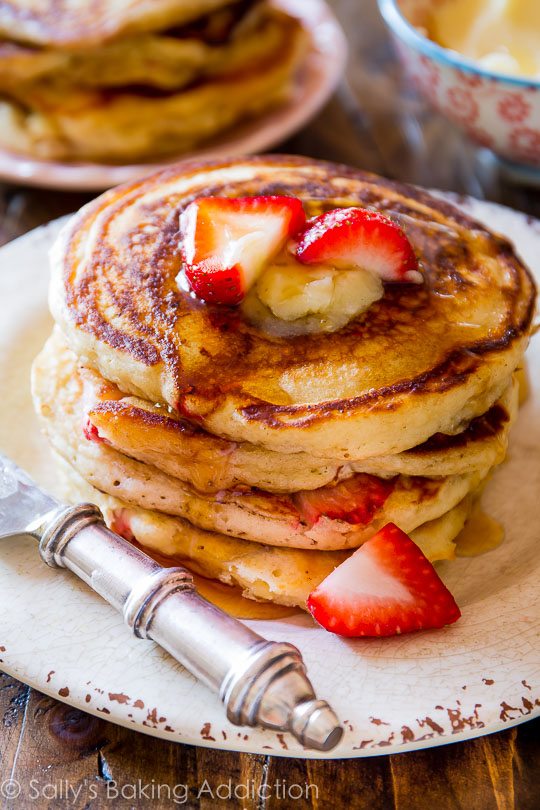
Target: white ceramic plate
{"type": "Point", "coordinates": [315, 84]}
{"type": "Point", "coordinates": [478, 676]}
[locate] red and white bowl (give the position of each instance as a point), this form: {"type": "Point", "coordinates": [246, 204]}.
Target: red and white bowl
{"type": "Point", "coordinates": [495, 110]}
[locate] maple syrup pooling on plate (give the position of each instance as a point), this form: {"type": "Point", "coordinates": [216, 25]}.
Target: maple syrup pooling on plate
{"type": "Point", "coordinates": [227, 597]}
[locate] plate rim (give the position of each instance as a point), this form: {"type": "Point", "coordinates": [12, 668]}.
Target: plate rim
{"type": "Point", "coordinates": [222, 745]}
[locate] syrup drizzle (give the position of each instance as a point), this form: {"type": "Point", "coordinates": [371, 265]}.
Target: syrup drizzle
{"type": "Point", "coordinates": [480, 534]}
{"type": "Point", "coordinates": [522, 376]}
{"type": "Point", "coordinates": [227, 597]}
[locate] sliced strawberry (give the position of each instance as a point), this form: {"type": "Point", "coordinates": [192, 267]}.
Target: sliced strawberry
{"type": "Point", "coordinates": [357, 237]}
{"type": "Point", "coordinates": [91, 432]}
{"type": "Point", "coordinates": [216, 284]}
{"type": "Point", "coordinates": [354, 500]}
{"type": "Point", "coordinates": [120, 524]}
{"type": "Point", "coordinates": [226, 242]}
{"type": "Point", "coordinates": [385, 588]}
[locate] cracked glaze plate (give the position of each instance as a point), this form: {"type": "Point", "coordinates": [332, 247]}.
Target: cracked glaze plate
{"type": "Point", "coordinates": [478, 676]}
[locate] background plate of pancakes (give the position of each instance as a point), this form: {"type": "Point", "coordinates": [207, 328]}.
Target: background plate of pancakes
{"type": "Point", "coordinates": [395, 694]}
{"type": "Point", "coordinates": [82, 115]}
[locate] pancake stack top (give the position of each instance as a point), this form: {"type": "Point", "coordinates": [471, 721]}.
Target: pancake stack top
{"type": "Point", "coordinates": [262, 460]}
{"type": "Point", "coordinates": [131, 80]}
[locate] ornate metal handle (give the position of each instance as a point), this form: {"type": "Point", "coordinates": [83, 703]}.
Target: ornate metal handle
{"type": "Point", "coordinates": [260, 682]}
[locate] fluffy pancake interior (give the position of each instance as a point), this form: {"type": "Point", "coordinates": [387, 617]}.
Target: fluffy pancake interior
{"type": "Point", "coordinates": [153, 434]}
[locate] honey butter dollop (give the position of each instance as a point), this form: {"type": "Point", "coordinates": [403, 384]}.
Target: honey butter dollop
{"type": "Point", "coordinates": [290, 298]}
{"type": "Point", "coordinates": [501, 35]}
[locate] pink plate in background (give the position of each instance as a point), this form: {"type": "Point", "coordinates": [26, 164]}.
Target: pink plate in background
{"type": "Point", "coordinates": [314, 85]}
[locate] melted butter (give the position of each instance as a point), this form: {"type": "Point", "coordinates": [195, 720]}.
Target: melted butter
{"type": "Point", "coordinates": [480, 534]}
{"type": "Point", "coordinates": [293, 299]}
{"type": "Point", "coordinates": [522, 377]}
{"type": "Point", "coordinates": [502, 35]}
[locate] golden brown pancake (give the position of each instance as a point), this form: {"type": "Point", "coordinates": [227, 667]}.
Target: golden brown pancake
{"type": "Point", "coordinates": [164, 98]}
{"type": "Point", "coordinates": [76, 23]}
{"type": "Point", "coordinates": [282, 575]}
{"type": "Point", "coordinates": [60, 396]}
{"type": "Point", "coordinates": [156, 436]}
{"type": "Point", "coordinates": [423, 360]}
{"type": "Point", "coordinates": [164, 60]}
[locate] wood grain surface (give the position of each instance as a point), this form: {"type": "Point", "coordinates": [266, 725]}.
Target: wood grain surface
{"type": "Point", "coordinates": [62, 757]}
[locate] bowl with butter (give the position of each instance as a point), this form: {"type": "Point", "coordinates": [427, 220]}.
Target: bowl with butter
{"type": "Point", "coordinates": [478, 63]}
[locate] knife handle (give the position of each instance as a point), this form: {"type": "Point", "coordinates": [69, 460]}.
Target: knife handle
{"type": "Point", "coordinates": [260, 682]}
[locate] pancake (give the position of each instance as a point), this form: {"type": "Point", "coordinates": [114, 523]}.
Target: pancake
{"type": "Point", "coordinates": [284, 576]}
{"type": "Point", "coordinates": [448, 347]}
{"type": "Point", "coordinates": [53, 119]}
{"type": "Point", "coordinates": [76, 23]}
{"type": "Point", "coordinates": [262, 517]}
{"type": "Point", "coordinates": [169, 59]}
{"type": "Point", "coordinates": [182, 450]}
{"type": "Point", "coordinates": [481, 444]}
{"type": "Point", "coordinates": [143, 431]}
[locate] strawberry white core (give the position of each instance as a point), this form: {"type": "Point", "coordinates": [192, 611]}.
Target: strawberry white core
{"type": "Point", "coordinates": [252, 251]}
{"type": "Point", "coordinates": [365, 577]}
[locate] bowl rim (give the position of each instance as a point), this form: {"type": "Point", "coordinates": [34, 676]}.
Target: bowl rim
{"type": "Point", "coordinates": [398, 23]}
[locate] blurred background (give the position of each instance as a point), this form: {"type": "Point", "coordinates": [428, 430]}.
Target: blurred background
{"type": "Point", "coordinates": [376, 120]}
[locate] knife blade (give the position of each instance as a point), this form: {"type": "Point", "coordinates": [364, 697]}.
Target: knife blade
{"type": "Point", "coordinates": [23, 505]}
{"type": "Point", "coordinates": [260, 682]}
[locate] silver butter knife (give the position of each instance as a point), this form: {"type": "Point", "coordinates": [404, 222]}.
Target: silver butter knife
{"type": "Point", "coordinates": [260, 682]}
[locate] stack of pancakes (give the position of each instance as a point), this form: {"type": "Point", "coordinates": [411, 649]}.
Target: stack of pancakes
{"type": "Point", "coordinates": [128, 80]}
{"type": "Point", "coordinates": [207, 440]}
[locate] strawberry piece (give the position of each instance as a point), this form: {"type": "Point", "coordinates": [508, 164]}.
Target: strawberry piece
{"type": "Point", "coordinates": [120, 524]}
{"type": "Point", "coordinates": [354, 500]}
{"type": "Point", "coordinates": [91, 432]}
{"type": "Point", "coordinates": [385, 588]}
{"type": "Point", "coordinates": [215, 284]}
{"type": "Point", "coordinates": [226, 242]}
{"type": "Point", "coordinates": [357, 237]}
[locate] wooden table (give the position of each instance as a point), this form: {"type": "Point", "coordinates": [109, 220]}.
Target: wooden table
{"type": "Point", "coordinates": [66, 758]}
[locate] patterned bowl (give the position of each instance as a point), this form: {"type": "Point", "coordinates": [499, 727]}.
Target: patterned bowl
{"type": "Point", "coordinates": [497, 111]}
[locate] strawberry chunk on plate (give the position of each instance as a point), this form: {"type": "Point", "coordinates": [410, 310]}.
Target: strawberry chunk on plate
{"type": "Point", "coordinates": [385, 588]}
{"type": "Point", "coordinates": [227, 242]}
{"type": "Point", "coordinates": [355, 500]}
{"type": "Point", "coordinates": [358, 237]}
